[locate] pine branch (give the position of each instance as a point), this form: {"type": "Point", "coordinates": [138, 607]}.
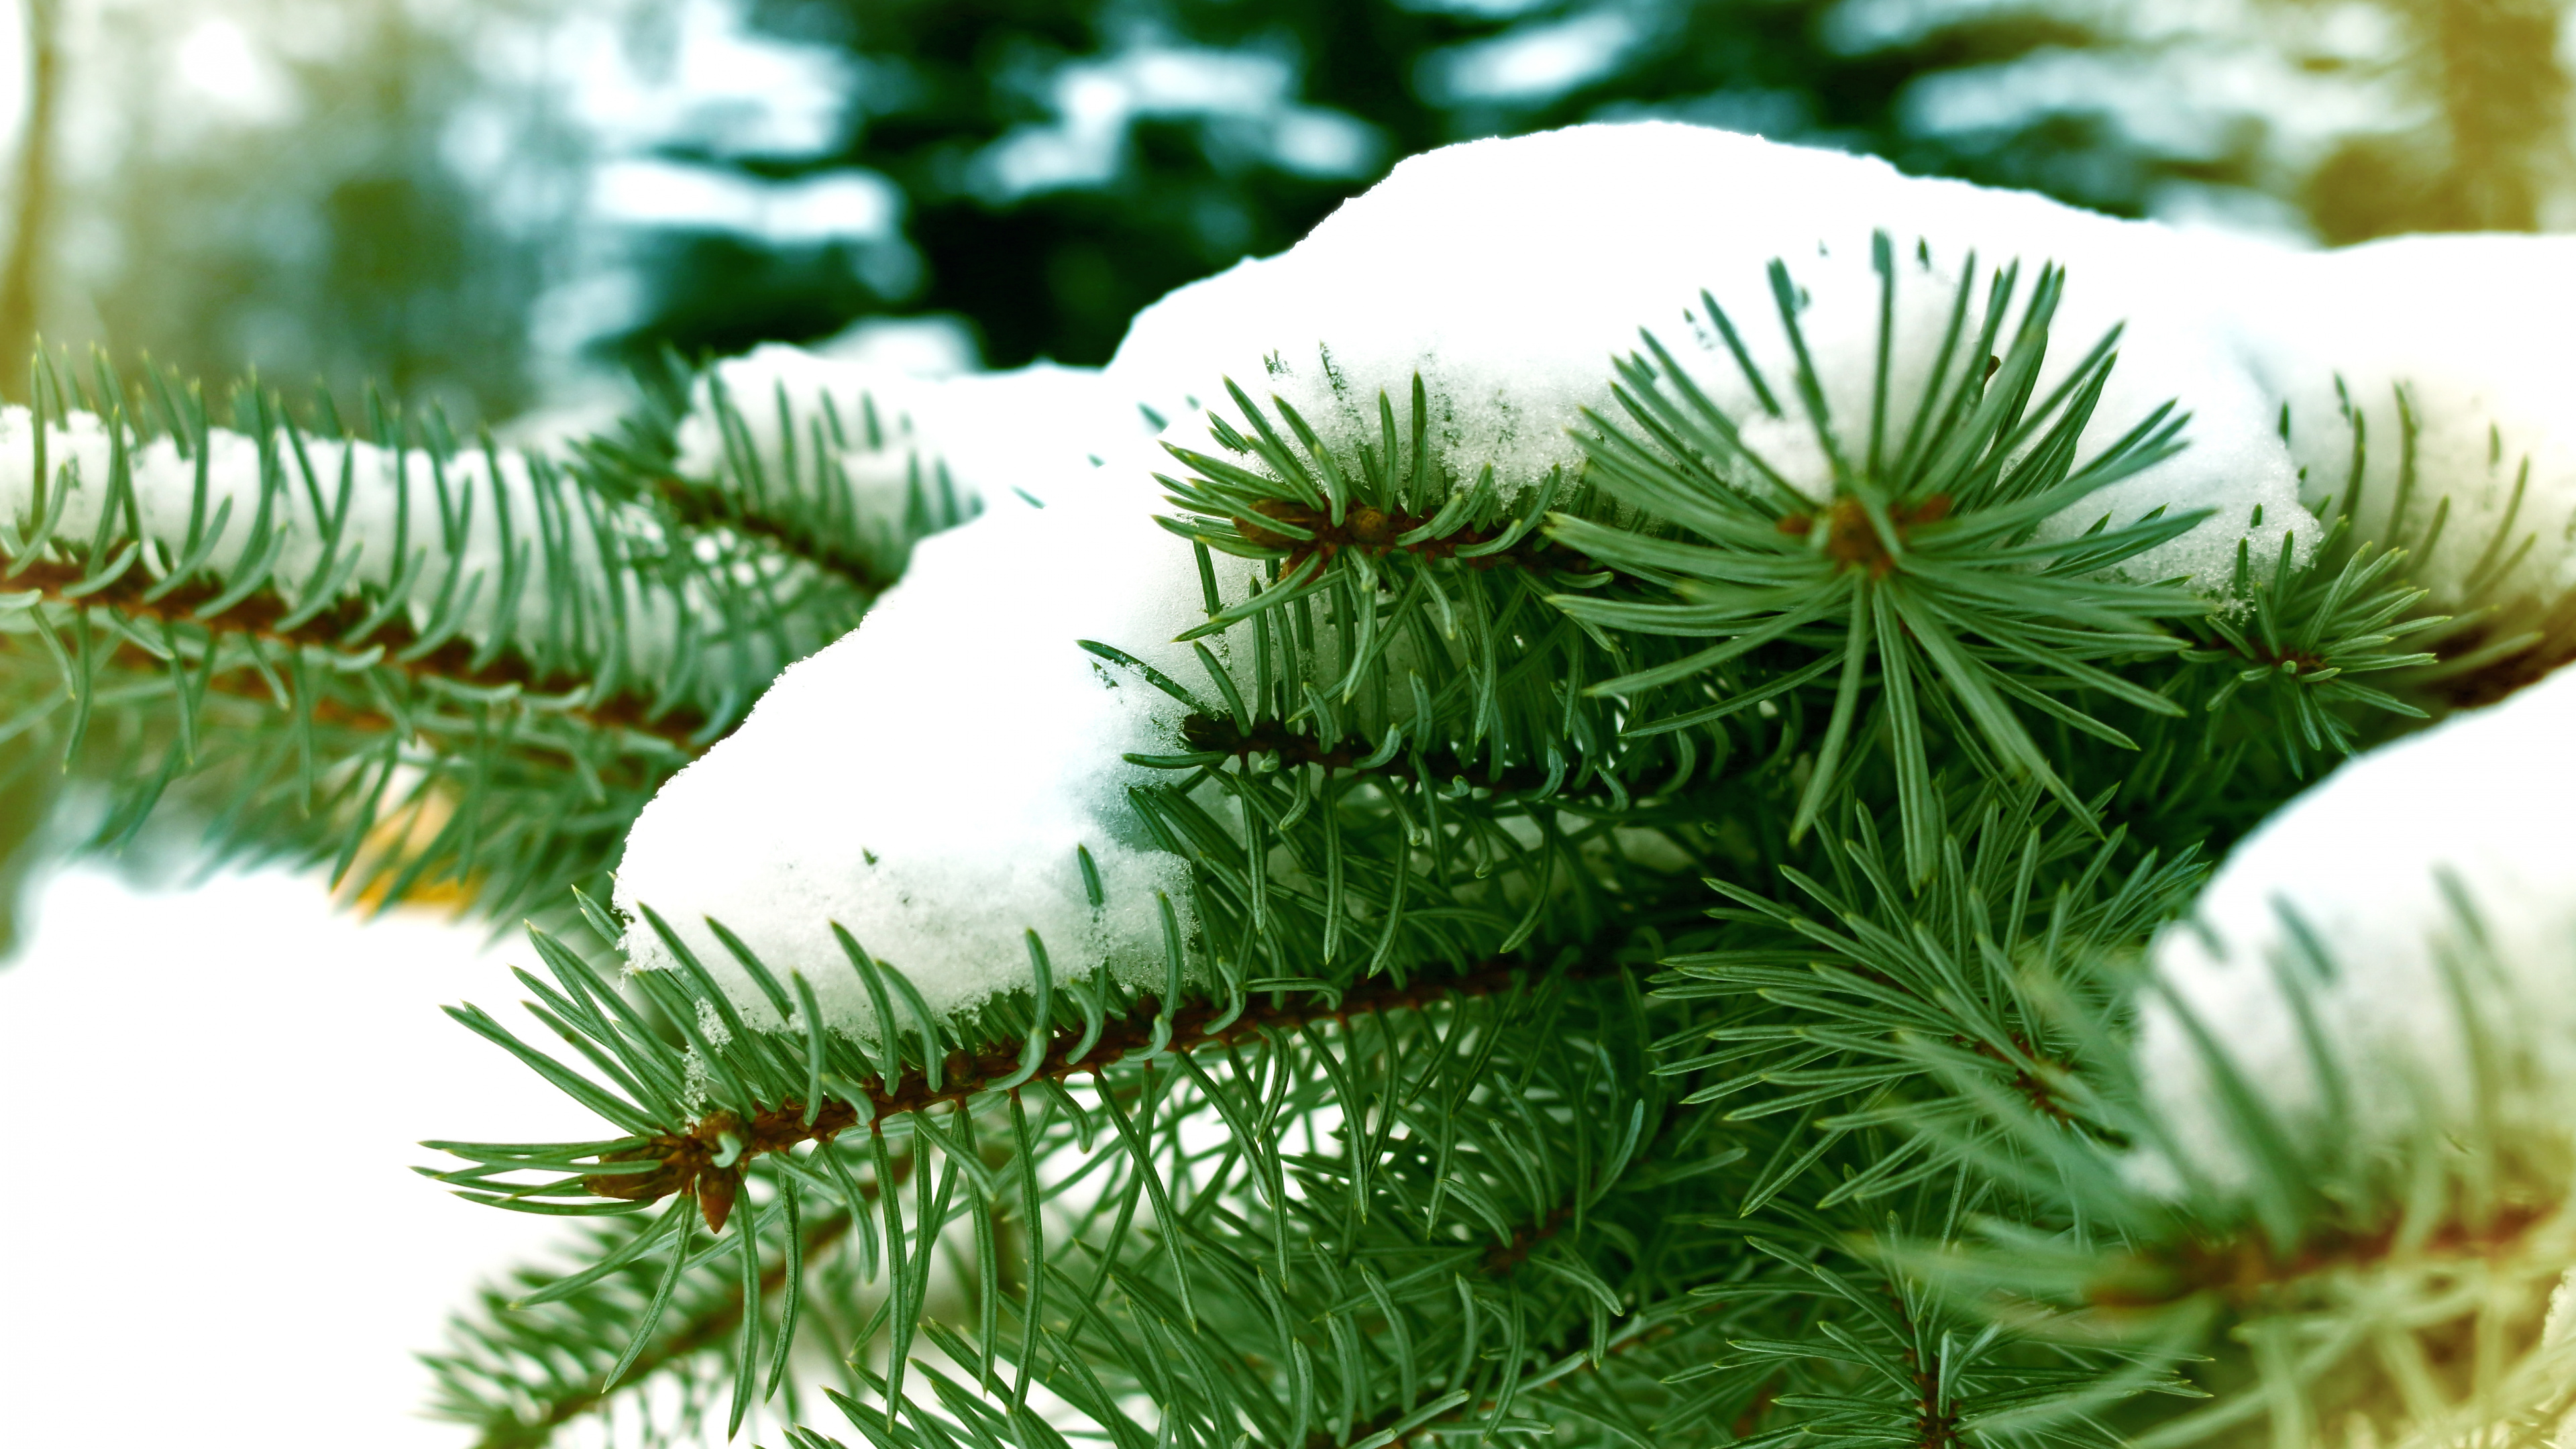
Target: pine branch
{"type": "Point", "coordinates": [348, 628]}
{"type": "Point", "coordinates": [1216, 735]}
{"type": "Point", "coordinates": [688, 1159]}
{"type": "Point", "coordinates": [308, 638]}
{"type": "Point", "coordinates": [1855, 989]}
{"type": "Point", "coordinates": [797, 503]}
{"type": "Point", "coordinates": [1190, 1032]}
{"type": "Point", "coordinates": [1939, 779]}
{"type": "Point", "coordinates": [703, 510]}
{"type": "Point", "coordinates": [711, 1329]}
{"type": "Point", "coordinates": [1401, 1429]}
{"type": "Point", "coordinates": [2246, 1271]}
{"type": "Point", "coordinates": [1923, 566]}
{"type": "Point", "coordinates": [1305, 538]}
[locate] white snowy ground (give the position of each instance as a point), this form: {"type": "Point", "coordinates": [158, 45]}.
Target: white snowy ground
{"type": "Point", "coordinates": [219, 1044]}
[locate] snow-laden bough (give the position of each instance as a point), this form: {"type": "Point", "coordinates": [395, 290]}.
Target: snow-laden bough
{"type": "Point", "coordinates": [2427, 388]}
{"type": "Point", "coordinates": [2391, 957]}
{"type": "Point", "coordinates": [427, 527]}
{"type": "Point", "coordinates": [925, 783]}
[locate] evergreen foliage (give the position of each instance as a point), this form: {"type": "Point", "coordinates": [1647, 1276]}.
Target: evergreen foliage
{"type": "Point", "coordinates": [1055, 269]}
{"type": "Point", "coordinates": [483, 736]}
{"type": "Point", "coordinates": [1661, 947]}
{"type": "Point", "coordinates": [1661, 970]}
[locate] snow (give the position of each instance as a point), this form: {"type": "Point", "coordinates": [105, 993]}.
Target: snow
{"type": "Point", "coordinates": [2474, 329]}
{"type": "Point", "coordinates": [848, 205]}
{"type": "Point", "coordinates": [2361, 860]}
{"type": "Point", "coordinates": [1512, 311]}
{"type": "Point", "coordinates": [930, 344]}
{"type": "Point", "coordinates": [925, 781]}
{"type": "Point", "coordinates": [342, 1032]}
{"type": "Point", "coordinates": [996, 435]}
{"type": "Point", "coordinates": [1244, 98]}
{"type": "Point", "coordinates": [1530, 65]}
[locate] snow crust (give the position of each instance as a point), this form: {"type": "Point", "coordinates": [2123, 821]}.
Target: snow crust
{"type": "Point", "coordinates": [925, 781]}
{"type": "Point", "coordinates": [996, 436]}
{"type": "Point", "coordinates": [2361, 860]}
{"type": "Point", "coordinates": [1511, 311]}
{"type": "Point", "coordinates": [2474, 330]}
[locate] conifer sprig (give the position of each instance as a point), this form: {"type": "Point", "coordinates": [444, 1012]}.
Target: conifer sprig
{"type": "Point", "coordinates": [299, 709]}
{"type": "Point", "coordinates": [1424, 1045]}
{"type": "Point", "coordinates": [2285, 657]}
{"type": "Point", "coordinates": [1403, 605]}
{"type": "Point", "coordinates": [802, 504]}
{"type": "Point", "coordinates": [2492, 642]}
{"type": "Point", "coordinates": [1858, 990]}
{"type": "Point", "coordinates": [1924, 571]}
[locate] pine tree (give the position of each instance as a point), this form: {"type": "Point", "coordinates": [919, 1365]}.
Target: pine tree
{"type": "Point", "coordinates": [1658, 960]}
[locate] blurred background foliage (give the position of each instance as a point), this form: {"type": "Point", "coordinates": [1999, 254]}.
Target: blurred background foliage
{"type": "Point", "coordinates": [492, 204]}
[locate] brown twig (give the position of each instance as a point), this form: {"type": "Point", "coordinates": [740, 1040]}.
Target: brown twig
{"type": "Point", "coordinates": [2032, 1087]}
{"type": "Point", "coordinates": [1935, 1427]}
{"type": "Point", "coordinates": [1851, 537]}
{"type": "Point", "coordinates": [689, 1159]}
{"type": "Point", "coordinates": [262, 616]}
{"type": "Point", "coordinates": [2247, 1267]}
{"type": "Point", "coordinates": [1507, 1256]}
{"type": "Point", "coordinates": [1216, 734]}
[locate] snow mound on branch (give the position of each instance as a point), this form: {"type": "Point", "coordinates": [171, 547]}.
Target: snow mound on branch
{"type": "Point", "coordinates": [2474, 330]}
{"type": "Point", "coordinates": [985, 437]}
{"type": "Point", "coordinates": [924, 781]}
{"type": "Point", "coordinates": [1509, 272]}
{"type": "Point", "coordinates": [2362, 861]}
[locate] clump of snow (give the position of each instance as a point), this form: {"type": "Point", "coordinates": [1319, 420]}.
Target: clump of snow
{"type": "Point", "coordinates": [2361, 862]}
{"type": "Point", "coordinates": [1512, 316]}
{"type": "Point", "coordinates": [984, 438]}
{"type": "Point", "coordinates": [2474, 330]}
{"type": "Point", "coordinates": [924, 782]}
{"type": "Point", "coordinates": [938, 344]}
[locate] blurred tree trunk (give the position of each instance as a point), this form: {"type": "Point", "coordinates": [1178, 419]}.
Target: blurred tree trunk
{"type": "Point", "coordinates": [2496, 154]}
{"type": "Point", "coordinates": [19, 282]}
{"type": "Point", "coordinates": [2504, 97]}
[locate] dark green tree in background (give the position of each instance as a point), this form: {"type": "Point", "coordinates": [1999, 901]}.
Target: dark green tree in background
{"type": "Point", "coordinates": [2475, 136]}
{"type": "Point", "coordinates": [1058, 271]}
{"type": "Point", "coordinates": [348, 240]}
